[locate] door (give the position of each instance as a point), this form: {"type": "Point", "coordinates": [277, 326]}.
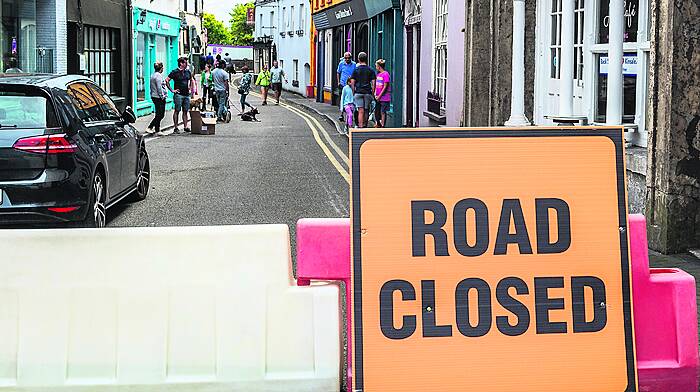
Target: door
{"type": "Point", "coordinates": [551, 68]}
{"type": "Point", "coordinates": [100, 132]}
{"type": "Point", "coordinates": [124, 135]}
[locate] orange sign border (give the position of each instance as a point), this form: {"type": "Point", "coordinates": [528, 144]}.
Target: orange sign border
{"type": "Point", "coordinates": [359, 137]}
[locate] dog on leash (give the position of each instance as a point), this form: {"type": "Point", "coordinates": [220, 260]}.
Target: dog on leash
{"type": "Point", "coordinates": [250, 115]}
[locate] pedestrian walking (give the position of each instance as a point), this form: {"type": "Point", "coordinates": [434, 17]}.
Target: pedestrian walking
{"type": "Point", "coordinates": [244, 88]}
{"type": "Point", "coordinates": [221, 87]}
{"type": "Point", "coordinates": [382, 93]}
{"type": "Point", "coordinates": [184, 86]}
{"type": "Point", "coordinates": [207, 85]}
{"type": "Point", "coordinates": [158, 97]}
{"type": "Point", "coordinates": [363, 80]}
{"type": "Point", "coordinates": [278, 76]}
{"type": "Point", "coordinates": [229, 64]}
{"type": "Point", "coordinates": [264, 80]}
{"type": "Point", "coordinates": [347, 103]}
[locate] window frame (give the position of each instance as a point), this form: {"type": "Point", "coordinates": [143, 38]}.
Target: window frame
{"type": "Point", "coordinates": [545, 86]}
{"type": "Point", "coordinates": [440, 38]}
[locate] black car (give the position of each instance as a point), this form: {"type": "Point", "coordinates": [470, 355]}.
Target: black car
{"type": "Point", "coordinates": [66, 152]}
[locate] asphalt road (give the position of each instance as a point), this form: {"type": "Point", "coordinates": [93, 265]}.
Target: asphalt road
{"type": "Point", "coordinates": [273, 171]}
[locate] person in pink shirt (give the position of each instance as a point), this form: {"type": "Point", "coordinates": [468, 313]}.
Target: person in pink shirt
{"type": "Point", "coordinates": [382, 93]}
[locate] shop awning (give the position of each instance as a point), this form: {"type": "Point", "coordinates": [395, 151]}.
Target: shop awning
{"type": "Point", "coordinates": [349, 12]}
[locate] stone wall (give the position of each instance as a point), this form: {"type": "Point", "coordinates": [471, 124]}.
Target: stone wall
{"type": "Point", "coordinates": [488, 61]}
{"type": "Point", "coordinates": [673, 174]}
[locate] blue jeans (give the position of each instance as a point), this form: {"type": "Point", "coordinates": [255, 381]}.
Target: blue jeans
{"type": "Point", "coordinates": [222, 97]}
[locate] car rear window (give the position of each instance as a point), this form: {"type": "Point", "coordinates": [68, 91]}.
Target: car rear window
{"type": "Point", "coordinates": [21, 110]}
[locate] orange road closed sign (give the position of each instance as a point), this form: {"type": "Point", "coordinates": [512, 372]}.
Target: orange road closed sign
{"type": "Point", "coordinates": [491, 260]}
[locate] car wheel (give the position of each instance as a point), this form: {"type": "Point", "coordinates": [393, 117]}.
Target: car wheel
{"type": "Point", "coordinates": [97, 214]}
{"type": "Point", "coordinates": [143, 181]}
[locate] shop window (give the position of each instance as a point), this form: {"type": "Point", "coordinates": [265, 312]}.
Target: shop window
{"type": "Point", "coordinates": [141, 67]}
{"type": "Point", "coordinates": [440, 51]}
{"type": "Point", "coordinates": [102, 59]}
{"type": "Point", "coordinates": [18, 36]}
{"type": "Point", "coordinates": [635, 67]}
{"type": "Point", "coordinates": [555, 41]}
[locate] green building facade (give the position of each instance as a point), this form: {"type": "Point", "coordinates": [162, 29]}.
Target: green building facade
{"type": "Point", "coordinates": [156, 38]}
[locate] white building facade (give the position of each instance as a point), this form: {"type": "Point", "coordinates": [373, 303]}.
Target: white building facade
{"type": "Point", "coordinates": [286, 26]}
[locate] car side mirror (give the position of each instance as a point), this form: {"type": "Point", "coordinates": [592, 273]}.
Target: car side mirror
{"type": "Point", "coordinates": [129, 116]}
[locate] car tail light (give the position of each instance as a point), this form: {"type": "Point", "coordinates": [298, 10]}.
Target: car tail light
{"type": "Point", "coordinates": [45, 144]}
{"type": "Point", "coordinates": [63, 210]}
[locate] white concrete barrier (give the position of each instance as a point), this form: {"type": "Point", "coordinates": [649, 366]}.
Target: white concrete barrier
{"type": "Point", "coordinates": [191, 309]}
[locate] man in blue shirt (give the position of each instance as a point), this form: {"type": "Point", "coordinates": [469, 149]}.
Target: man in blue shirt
{"type": "Point", "coordinates": [345, 70]}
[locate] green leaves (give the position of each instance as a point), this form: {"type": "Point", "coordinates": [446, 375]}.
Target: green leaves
{"type": "Point", "coordinates": [241, 33]}
{"type": "Point", "coordinates": [238, 32]}
{"type": "Point", "coordinates": [218, 33]}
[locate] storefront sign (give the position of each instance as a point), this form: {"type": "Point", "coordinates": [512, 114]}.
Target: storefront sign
{"type": "Point", "coordinates": [348, 12]}
{"type": "Point", "coordinates": [154, 23]}
{"type": "Point", "coordinates": [320, 5]}
{"type": "Point", "coordinates": [491, 259]}
{"type": "Point", "coordinates": [630, 67]}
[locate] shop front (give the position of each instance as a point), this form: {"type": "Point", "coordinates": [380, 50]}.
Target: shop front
{"type": "Point", "coordinates": [156, 38]}
{"type": "Point", "coordinates": [371, 26]}
{"type": "Point", "coordinates": [18, 35]}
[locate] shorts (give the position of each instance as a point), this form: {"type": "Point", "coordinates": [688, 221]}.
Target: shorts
{"type": "Point", "coordinates": [364, 101]}
{"type": "Point", "coordinates": [182, 102]}
{"type": "Point", "coordinates": [384, 106]}
{"type": "Point", "coordinates": [276, 87]}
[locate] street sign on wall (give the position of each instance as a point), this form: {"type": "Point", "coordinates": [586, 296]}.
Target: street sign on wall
{"type": "Point", "coordinates": [491, 260]}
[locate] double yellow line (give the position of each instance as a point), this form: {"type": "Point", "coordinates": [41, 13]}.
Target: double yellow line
{"type": "Point", "coordinates": [317, 130]}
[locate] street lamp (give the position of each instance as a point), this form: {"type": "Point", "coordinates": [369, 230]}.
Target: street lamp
{"type": "Point", "coordinates": [142, 17]}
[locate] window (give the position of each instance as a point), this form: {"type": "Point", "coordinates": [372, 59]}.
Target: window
{"type": "Point", "coordinates": [636, 55]}
{"type": "Point", "coordinates": [102, 57]}
{"type": "Point", "coordinates": [440, 51]}
{"type": "Point", "coordinates": [84, 103]}
{"type": "Point", "coordinates": [555, 42]}
{"type": "Point", "coordinates": [579, 19]}
{"type": "Point", "coordinates": [296, 70]}
{"type": "Point", "coordinates": [291, 18]}
{"type": "Point", "coordinates": [109, 109]}
{"type": "Point", "coordinates": [23, 110]}
{"type": "Point", "coordinates": [141, 67]}
{"type": "Point", "coordinates": [302, 17]}
{"type": "Point", "coordinates": [283, 26]}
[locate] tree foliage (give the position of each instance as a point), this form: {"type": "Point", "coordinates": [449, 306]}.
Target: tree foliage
{"type": "Point", "coordinates": [217, 31]}
{"type": "Point", "coordinates": [241, 33]}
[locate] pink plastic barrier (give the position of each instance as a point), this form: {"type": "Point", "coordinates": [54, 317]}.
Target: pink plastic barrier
{"type": "Point", "coordinates": [665, 308]}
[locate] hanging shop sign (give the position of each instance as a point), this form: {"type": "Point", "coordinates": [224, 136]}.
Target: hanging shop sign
{"type": "Point", "coordinates": [491, 260]}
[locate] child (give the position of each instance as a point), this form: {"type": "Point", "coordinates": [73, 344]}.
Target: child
{"type": "Point", "coordinates": [347, 105]}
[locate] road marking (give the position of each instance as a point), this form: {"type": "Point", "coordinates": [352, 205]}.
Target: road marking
{"type": "Point", "coordinates": [331, 157]}
{"type": "Point", "coordinates": [323, 146]}
{"type": "Point", "coordinates": [335, 147]}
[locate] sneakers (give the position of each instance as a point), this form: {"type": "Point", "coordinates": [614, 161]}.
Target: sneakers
{"type": "Point", "coordinates": [187, 130]}
{"type": "Point", "coordinates": [177, 130]}
{"type": "Point", "coordinates": [150, 131]}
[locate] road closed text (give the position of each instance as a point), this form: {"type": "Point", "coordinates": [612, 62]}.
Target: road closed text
{"type": "Point", "coordinates": [481, 307]}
